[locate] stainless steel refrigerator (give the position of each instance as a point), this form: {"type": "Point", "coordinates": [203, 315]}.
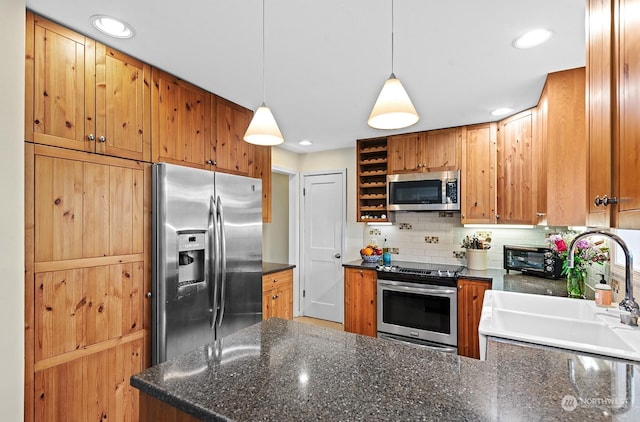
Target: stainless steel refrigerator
{"type": "Point", "coordinates": [207, 257]}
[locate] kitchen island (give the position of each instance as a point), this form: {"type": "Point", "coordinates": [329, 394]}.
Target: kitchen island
{"type": "Point", "coordinates": [284, 370]}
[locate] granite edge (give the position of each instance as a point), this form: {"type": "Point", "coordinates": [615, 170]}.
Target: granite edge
{"type": "Point", "coordinates": [275, 267]}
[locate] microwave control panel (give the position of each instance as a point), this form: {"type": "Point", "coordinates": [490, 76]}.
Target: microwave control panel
{"type": "Point", "coordinates": [452, 191]}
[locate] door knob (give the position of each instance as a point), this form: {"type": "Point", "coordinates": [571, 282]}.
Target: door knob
{"type": "Point", "coordinates": [337, 255]}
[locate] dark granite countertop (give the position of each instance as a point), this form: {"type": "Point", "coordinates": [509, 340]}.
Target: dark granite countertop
{"type": "Point", "coordinates": [289, 371]}
{"type": "Point", "coordinates": [274, 267]}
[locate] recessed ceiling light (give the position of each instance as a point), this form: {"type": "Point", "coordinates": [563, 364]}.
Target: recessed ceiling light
{"type": "Point", "coordinates": [501, 111]}
{"type": "Point", "coordinates": [112, 26]}
{"type": "Point", "coordinates": [305, 142]}
{"type": "Point", "coordinates": [532, 38]}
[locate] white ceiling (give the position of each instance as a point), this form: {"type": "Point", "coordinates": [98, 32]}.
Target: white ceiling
{"type": "Point", "coordinates": [326, 60]}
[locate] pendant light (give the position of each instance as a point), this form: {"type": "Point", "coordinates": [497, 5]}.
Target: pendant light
{"type": "Point", "coordinates": [263, 129]}
{"type": "Point", "coordinates": [393, 108]}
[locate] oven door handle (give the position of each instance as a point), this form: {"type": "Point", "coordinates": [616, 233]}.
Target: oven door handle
{"type": "Point", "coordinates": [419, 290]}
{"type": "Point", "coordinates": [423, 346]}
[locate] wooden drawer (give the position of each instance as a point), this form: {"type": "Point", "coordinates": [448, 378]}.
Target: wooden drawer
{"type": "Point", "coordinates": [277, 280]}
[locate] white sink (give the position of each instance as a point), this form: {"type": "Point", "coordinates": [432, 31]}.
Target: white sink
{"type": "Point", "coordinates": [572, 324]}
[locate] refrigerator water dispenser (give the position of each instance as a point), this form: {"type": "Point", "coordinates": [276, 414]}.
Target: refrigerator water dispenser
{"type": "Point", "coordinates": [191, 262]}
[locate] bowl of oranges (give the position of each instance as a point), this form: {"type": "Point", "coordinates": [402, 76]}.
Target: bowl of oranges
{"type": "Point", "coordinates": [371, 253]}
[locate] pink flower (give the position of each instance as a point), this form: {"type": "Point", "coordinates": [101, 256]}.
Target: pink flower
{"type": "Point", "coordinates": [583, 244]}
{"type": "Point", "coordinates": [560, 245]}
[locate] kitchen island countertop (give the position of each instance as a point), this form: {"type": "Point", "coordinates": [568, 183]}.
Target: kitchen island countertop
{"type": "Point", "coordinates": [285, 370]}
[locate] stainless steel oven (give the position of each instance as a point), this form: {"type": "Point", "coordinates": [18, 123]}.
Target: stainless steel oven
{"type": "Point", "coordinates": [419, 305]}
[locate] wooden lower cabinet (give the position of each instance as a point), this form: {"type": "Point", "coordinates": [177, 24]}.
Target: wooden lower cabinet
{"type": "Point", "coordinates": [87, 268]}
{"type": "Point", "coordinates": [360, 301]}
{"type": "Point", "coordinates": [277, 295]}
{"type": "Point", "coordinates": [154, 410]}
{"type": "Point", "coordinates": [470, 298]}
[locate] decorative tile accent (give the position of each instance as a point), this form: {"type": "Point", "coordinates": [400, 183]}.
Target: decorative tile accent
{"type": "Point", "coordinates": [405, 226]}
{"type": "Point", "coordinates": [431, 239]}
{"type": "Point", "coordinates": [459, 254]}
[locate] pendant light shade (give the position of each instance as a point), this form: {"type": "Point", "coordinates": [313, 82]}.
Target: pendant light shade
{"type": "Point", "coordinates": [263, 129]}
{"type": "Point", "coordinates": [393, 108]}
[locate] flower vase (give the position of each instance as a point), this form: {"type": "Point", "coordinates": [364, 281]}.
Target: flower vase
{"type": "Point", "coordinates": [476, 259]}
{"type": "Point", "coordinates": [576, 278]}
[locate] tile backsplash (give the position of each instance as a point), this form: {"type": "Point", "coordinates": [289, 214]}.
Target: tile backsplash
{"type": "Point", "coordinates": [436, 237]}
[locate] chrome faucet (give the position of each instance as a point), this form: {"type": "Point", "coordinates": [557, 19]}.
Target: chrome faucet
{"type": "Point", "coordinates": [630, 308]}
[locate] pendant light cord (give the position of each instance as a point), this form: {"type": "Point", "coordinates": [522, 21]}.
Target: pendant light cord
{"type": "Point", "coordinates": [392, 41]}
{"type": "Point", "coordinates": [264, 89]}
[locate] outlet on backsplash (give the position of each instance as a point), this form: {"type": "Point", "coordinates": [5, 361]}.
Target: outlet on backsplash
{"type": "Point", "coordinates": [431, 239]}
{"type": "Point", "coordinates": [483, 235]}
{"type": "Point", "coordinates": [615, 285]}
{"type": "Point", "coordinates": [375, 232]}
{"type": "Point", "coordinates": [445, 214]}
{"type": "Point", "coordinates": [404, 226]}
{"type": "Point", "coordinates": [394, 250]}
{"type": "Point", "coordinates": [459, 254]}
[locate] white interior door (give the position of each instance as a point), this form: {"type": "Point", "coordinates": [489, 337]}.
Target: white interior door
{"type": "Point", "coordinates": [323, 234]}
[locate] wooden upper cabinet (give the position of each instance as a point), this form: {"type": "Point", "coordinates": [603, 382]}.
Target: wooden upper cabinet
{"type": "Point", "coordinates": [599, 102]}
{"type": "Point", "coordinates": [479, 174]}
{"type": "Point", "coordinates": [435, 150]}
{"type": "Point", "coordinates": [82, 95]}
{"type": "Point", "coordinates": [182, 117]}
{"type": "Point", "coordinates": [441, 150]}
{"type": "Point", "coordinates": [563, 162]}
{"type": "Point", "coordinates": [515, 188]}
{"type": "Point", "coordinates": [232, 153]}
{"type": "Point", "coordinates": [626, 144]}
{"type": "Point", "coordinates": [123, 118]}
{"type": "Point", "coordinates": [261, 169]}
{"type": "Point", "coordinates": [403, 153]}
{"type": "Point", "coordinates": [613, 105]}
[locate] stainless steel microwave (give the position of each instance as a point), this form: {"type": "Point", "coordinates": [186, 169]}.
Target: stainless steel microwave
{"type": "Point", "coordinates": [432, 191]}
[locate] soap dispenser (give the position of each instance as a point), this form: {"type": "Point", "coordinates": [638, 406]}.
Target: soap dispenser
{"type": "Point", "coordinates": [603, 293]}
{"type": "Point", "coordinates": [386, 254]}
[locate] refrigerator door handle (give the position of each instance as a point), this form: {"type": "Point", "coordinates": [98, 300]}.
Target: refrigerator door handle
{"type": "Point", "coordinates": [213, 263]}
{"type": "Point", "coordinates": [222, 256]}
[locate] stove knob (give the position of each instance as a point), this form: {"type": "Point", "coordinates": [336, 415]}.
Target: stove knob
{"type": "Point", "coordinates": [440, 272]}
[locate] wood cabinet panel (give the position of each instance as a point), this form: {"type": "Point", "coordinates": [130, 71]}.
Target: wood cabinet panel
{"type": "Point", "coordinates": [479, 174]}
{"type": "Point", "coordinates": [626, 145]}
{"type": "Point", "coordinates": [360, 301]}
{"type": "Point", "coordinates": [442, 150]}
{"type": "Point", "coordinates": [599, 101]}
{"type": "Point", "coordinates": [80, 307]}
{"type": "Point", "coordinates": [261, 169]}
{"type": "Point", "coordinates": [403, 153]}
{"type": "Point", "coordinates": [181, 121]}
{"type": "Point", "coordinates": [515, 187]}
{"type": "Point", "coordinates": [470, 298]}
{"type": "Point", "coordinates": [122, 105]}
{"type": "Point", "coordinates": [277, 295]}
{"type": "Point", "coordinates": [231, 152]}
{"type": "Point", "coordinates": [86, 210]}
{"type": "Point", "coordinates": [561, 119]}
{"type": "Point", "coordinates": [60, 77]}
{"type": "Point", "coordinates": [95, 387]}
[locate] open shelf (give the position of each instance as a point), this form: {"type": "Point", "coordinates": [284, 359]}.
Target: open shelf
{"type": "Point", "coordinates": [372, 180]}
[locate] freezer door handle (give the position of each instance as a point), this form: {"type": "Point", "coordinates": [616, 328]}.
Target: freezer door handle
{"type": "Point", "coordinates": [213, 264]}
{"type": "Point", "coordinates": [222, 257]}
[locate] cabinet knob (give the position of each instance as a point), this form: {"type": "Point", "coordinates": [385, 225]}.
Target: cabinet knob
{"type": "Point", "coordinates": [210, 162]}
{"type": "Point", "coordinates": [540, 214]}
{"type": "Point", "coordinates": [91, 137]}
{"type": "Point", "coordinates": [274, 297]}
{"type": "Point", "coordinates": [148, 295]}
{"type": "Point", "coordinates": [102, 139]}
{"type": "Point", "coordinates": [609, 201]}
{"type": "Point", "coordinates": [598, 201]}
{"type": "Point", "coordinates": [275, 280]}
